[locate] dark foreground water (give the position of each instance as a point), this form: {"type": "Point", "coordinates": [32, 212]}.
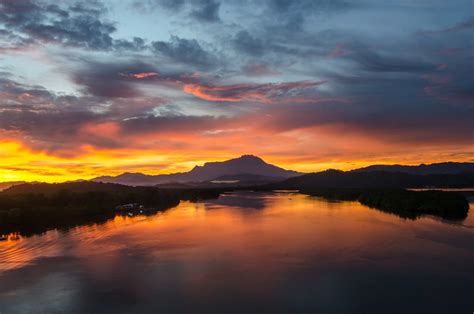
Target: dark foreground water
{"type": "Point", "coordinates": [245, 253]}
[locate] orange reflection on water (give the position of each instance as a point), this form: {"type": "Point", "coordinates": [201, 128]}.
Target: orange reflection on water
{"type": "Point", "coordinates": [13, 236]}
{"type": "Point", "coordinates": [260, 233]}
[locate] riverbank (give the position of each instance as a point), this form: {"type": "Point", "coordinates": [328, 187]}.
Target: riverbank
{"type": "Point", "coordinates": [35, 208]}
{"type": "Point", "coordinates": [404, 203]}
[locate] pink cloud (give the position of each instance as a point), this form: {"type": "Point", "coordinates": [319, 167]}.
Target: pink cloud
{"type": "Point", "coordinates": [260, 70]}
{"type": "Point", "coordinates": [339, 51]}
{"type": "Point", "coordinates": [264, 93]}
{"type": "Point", "coordinates": [141, 75]}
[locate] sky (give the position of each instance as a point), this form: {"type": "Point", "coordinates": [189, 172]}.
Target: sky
{"type": "Point", "coordinates": [101, 87]}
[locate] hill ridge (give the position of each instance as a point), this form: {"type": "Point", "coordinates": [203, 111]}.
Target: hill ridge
{"type": "Point", "coordinates": [245, 164]}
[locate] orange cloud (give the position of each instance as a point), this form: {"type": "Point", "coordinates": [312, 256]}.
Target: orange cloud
{"type": "Point", "coordinates": [141, 75]}
{"type": "Point", "coordinates": [264, 93]}
{"type": "Point", "coordinates": [106, 129]}
{"type": "Point", "coordinates": [203, 92]}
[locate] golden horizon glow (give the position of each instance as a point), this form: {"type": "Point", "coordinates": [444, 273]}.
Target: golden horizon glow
{"type": "Point", "coordinates": [20, 163]}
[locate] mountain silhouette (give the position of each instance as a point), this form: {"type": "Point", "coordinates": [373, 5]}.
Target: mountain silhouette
{"type": "Point", "coordinates": [6, 185]}
{"type": "Point", "coordinates": [436, 168]}
{"type": "Point", "coordinates": [336, 179]}
{"type": "Point", "coordinates": [244, 165]}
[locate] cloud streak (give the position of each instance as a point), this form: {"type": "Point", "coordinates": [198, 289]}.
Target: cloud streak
{"type": "Point", "coordinates": [264, 93]}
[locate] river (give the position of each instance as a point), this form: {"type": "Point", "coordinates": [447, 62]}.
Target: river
{"type": "Point", "coordinates": [245, 252]}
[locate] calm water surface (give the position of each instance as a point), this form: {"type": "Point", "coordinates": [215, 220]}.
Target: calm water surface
{"type": "Point", "coordinates": [245, 253]}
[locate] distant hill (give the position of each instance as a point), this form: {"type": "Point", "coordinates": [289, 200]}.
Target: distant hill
{"type": "Point", "coordinates": [376, 179]}
{"type": "Point", "coordinates": [437, 168]}
{"type": "Point", "coordinates": [386, 191]}
{"type": "Point", "coordinates": [76, 187]}
{"type": "Point", "coordinates": [243, 166]}
{"type": "Point", "coordinates": [6, 185]}
{"type": "Point", "coordinates": [246, 177]}
{"type": "Point", "coordinates": [224, 182]}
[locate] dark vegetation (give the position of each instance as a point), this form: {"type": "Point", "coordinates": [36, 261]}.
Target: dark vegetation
{"type": "Point", "coordinates": [410, 204]}
{"type": "Point", "coordinates": [404, 203]}
{"type": "Point", "coordinates": [378, 180]}
{"type": "Point", "coordinates": [436, 168]}
{"type": "Point", "coordinates": [386, 191]}
{"type": "Point", "coordinates": [35, 208]}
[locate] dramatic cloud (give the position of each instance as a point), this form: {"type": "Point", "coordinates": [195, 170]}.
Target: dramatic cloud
{"type": "Point", "coordinates": [184, 51]}
{"type": "Point", "coordinates": [265, 93]}
{"type": "Point", "coordinates": [80, 24]}
{"type": "Point", "coordinates": [259, 70]}
{"type": "Point", "coordinates": [206, 10]}
{"type": "Point", "coordinates": [113, 79]}
{"type": "Point", "coordinates": [465, 25]}
{"type": "Point", "coordinates": [95, 86]}
{"type": "Point", "coordinates": [244, 42]}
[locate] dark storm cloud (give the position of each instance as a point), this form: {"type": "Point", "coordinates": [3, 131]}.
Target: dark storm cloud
{"type": "Point", "coordinates": [461, 26]}
{"type": "Point", "coordinates": [246, 43]}
{"type": "Point", "coordinates": [11, 40]}
{"type": "Point", "coordinates": [259, 69]}
{"type": "Point", "coordinates": [454, 85]}
{"type": "Point", "coordinates": [111, 80]}
{"type": "Point", "coordinates": [284, 6]}
{"type": "Point", "coordinates": [290, 16]}
{"type": "Point", "coordinates": [288, 31]}
{"type": "Point", "coordinates": [170, 4]}
{"type": "Point", "coordinates": [50, 23]}
{"type": "Point", "coordinates": [136, 44]}
{"type": "Point", "coordinates": [187, 51]}
{"type": "Point", "coordinates": [146, 6]}
{"type": "Point", "coordinates": [206, 10]}
{"type": "Point", "coordinates": [80, 24]}
{"type": "Point", "coordinates": [373, 61]}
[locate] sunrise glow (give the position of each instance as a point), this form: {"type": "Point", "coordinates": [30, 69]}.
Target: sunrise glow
{"type": "Point", "coordinates": [128, 99]}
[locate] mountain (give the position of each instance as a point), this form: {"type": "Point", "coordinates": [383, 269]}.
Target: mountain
{"type": "Point", "coordinates": [244, 165]}
{"type": "Point", "coordinates": [438, 168]}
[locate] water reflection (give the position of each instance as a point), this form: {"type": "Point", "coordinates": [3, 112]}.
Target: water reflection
{"type": "Point", "coordinates": [241, 200]}
{"type": "Point", "coordinates": [245, 252]}
{"type": "Point", "coordinates": [12, 236]}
